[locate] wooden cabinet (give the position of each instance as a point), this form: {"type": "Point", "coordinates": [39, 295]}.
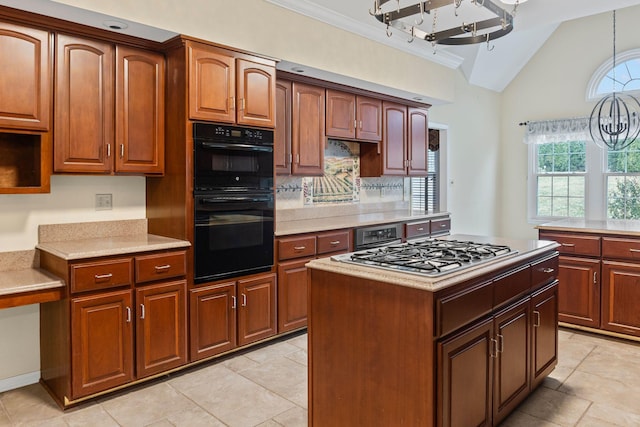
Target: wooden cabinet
{"type": "Point", "coordinates": [282, 132]}
{"type": "Point", "coordinates": [293, 254]}
{"type": "Point", "coordinates": [544, 335]}
{"type": "Point", "coordinates": [139, 111]}
{"type": "Point", "coordinates": [232, 313]}
{"type": "Point", "coordinates": [225, 88]}
{"type": "Point", "coordinates": [579, 291]}
{"type": "Point", "coordinates": [620, 297]}
{"type": "Point", "coordinates": [351, 116]}
{"type": "Point", "coordinates": [25, 82]}
{"type": "Point", "coordinates": [307, 129]}
{"type": "Point", "coordinates": [87, 339]}
{"type": "Point", "coordinates": [405, 139]}
{"type": "Point", "coordinates": [109, 108]}
{"type": "Point", "coordinates": [102, 342]}
{"type": "Point", "coordinates": [161, 329]}
{"type": "Point", "coordinates": [436, 226]}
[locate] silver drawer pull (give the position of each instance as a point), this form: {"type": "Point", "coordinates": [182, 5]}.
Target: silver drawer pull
{"type": "Point", "coordinates": [548, 270]}
{"type": "Point", "coordinates": [536, 319]}
{"type": "Point", "coordinates": [443, 225]}
{"type": "Point", "coordinates": [160, 268]}
{"type": "Point", "coordinates": [568, 245]}
{"type": "Point", "coordinates": [299, 248]}
{"type": "Point", "coordinates": [634, 250]}
{"type": "Point", "coordinates": [103, 276]}
{"type": "Point", "coordinates": [421, 229]}
{"type": "Point", "coordinates": [335, 242]}
{"type": "Point", "coordinates": [142, 314]}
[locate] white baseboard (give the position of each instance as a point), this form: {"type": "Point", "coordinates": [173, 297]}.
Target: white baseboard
{"type": "Point", "coordinates": [19, 381]}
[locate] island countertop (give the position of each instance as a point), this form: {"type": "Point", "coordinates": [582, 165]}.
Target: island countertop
{"type": "Point", "coordinates": [620, 227]}
{"type": "Point", "coordinates": [525, 249]}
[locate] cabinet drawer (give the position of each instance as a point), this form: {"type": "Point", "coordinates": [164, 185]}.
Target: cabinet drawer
{"type": "Point", "coordinates": [101, 274]}
{"type": "Point", "coordinates": [457, 310]}
{"type": "Point", "coordinates": [440, 226]}
{"type": "Point", "coordinates": [543, 272]}
{"type": "Point", "coordinates": [511, 285]}
{"type": "Point", "coordinates": [574, 244]}
{"type": "Point", "coordinates": [333, 242]}
{"type": "Point", "coordinates": [160, 266]}
{"type": "Point", "coordinates": [613, 247]}
{"type": "Point", "coordinates": [296, 247]}
{"type": "Point", "coordinates": [417, 229]}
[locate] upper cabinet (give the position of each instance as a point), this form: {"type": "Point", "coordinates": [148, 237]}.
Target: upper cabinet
{"type": "Point", "coordinates": [25, 80]}
{"type": "Point", "coordinates": [282, 133]}
{"type": "Point", "coordinates": [307, 129]}
{"type": "Point", "coordinates": [97, 82]}
{"type": "Point", "coordinates": [403, 151]}
{"type": "Point", "coordinates": [228, 89]}
{"type": "Point", "coordinates": [352, 116]}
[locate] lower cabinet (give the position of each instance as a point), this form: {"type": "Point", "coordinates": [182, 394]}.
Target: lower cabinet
{"type": "Point", "coordinates": [579, 291]}
{"type": "Point", "coordinates": [620, 296]}
{"type": "Point", "coordinates": [292, 294]}
{"type": "Point", "coordinates": [489, 368]}
{"type": "Point", "coordinates": [228, 314]}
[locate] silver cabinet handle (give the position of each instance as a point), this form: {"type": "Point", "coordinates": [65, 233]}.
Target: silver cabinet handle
{"type": "Point", "coordinates": [536, 320]}
{"type": "Point", "coordinates": [233, 304]}
{"type": "Point", "coordinates": [568, 245]}
{"type": "Point", "coordinates": [420, 229]}
{"type": "Point", "coordinates": [142, 311]}
{"type": "Point", "coordinates": [443, 225]}
{"type": "Point", "coordinates": [103, 276]}
{"type": "Point", "coordinates": [548, 270]}
{"type": "Point", "coordinates": [160, 268]}
{"type": "Point", "coordinates": [595, 277]}
{"type": "Point", "coordinates": [244, 300]}
{"type": "Point", "coordinates": [355, 124]}
{"type": "Point", "coordinates": [108, 150]}
{"type": "Point", "coordinates": [334, 243]}
{"type": "Point", "coordinates": [299, 248]}
{"type": "Point", "coordinates": [128, 314]}
{"type": "Point", "coordinates": [634, 250]}
{"type": "Point", "coordinates": [493, 346]}
{"type": "Point", "coordinates": [500, 347]}
{"type": "Point", "coordinates": [122, 151]}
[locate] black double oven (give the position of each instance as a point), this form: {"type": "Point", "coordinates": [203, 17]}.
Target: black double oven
{"type": "Point", "coordinates": [233, 201]}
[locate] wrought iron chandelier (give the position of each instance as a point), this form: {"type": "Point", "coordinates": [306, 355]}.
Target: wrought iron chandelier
{"type": "Point", "coordinates": [614, 121]}
{"type": "Point", "coordinates": [498, 22]}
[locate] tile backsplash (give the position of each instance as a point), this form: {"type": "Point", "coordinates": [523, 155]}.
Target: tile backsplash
{"type": "Point", "coordinates": [341, 183]}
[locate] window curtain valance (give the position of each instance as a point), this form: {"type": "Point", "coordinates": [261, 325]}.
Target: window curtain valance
{"type": "Point", "coordinates": [561, 130]}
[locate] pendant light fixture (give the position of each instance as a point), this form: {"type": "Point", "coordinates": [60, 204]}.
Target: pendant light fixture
{"type": "Point", "coordinates": [614, 122]}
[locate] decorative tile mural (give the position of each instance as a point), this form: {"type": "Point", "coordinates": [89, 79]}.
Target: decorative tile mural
{"type": "Point", "coordinates": [341, 180]}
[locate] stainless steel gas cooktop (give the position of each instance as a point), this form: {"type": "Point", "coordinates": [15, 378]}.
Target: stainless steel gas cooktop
{"type": "Point", "coordinates": [428, 257]}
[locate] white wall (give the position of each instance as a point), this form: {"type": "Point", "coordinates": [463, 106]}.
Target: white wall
{"type": "Point", "coordinates": [553, 85]}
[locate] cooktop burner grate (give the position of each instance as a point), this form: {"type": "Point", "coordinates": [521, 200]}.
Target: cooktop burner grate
{"type": "Point", "coordinates": [428, 257]}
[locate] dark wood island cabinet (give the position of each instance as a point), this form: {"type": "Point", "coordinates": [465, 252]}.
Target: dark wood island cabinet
{"type": "Point", "coordinates": [391, 348]}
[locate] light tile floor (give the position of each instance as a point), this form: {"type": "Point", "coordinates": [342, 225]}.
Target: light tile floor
{"type": "Point", "coordinates": [596, 383]}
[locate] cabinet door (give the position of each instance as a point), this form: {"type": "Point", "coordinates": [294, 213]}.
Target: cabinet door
{"type": "Point", "coordinates": [292, 295]}
{"type": "Point", "coordinates": [212, 320]}
{"type": "Point", "coordinates": [369, 119]}
{"type": "Point", "coordinates": [212, 84]}
{"type": "Point", "coordinates": [307, 130]}
{"type": "Point", "coordinates": [25, 82]}
{"type": "Point", "coordinates": [84, 128]}
{"type": "Point", "coordinates": [465, 372]}
{"type": "Point", "coordinates": [512, 368]}
{"type": "Point", "coordinates": [544, 336]}
{"type": "Point", "coordinates": [101, 342]}
{"type": "Point", "coordinates": [418, 141]}
{"type": "Point", "coordinates": [256, 87]}
{"type": "Point", "coordinates": [579, 291]}
{"type": "Point", "coordinates": [282, 133]}
{"type": "Point", "coordinates": [257, 308]}
{"type": "Point", "coordinates": [139, 111]}
{"type": "Point", "coordinates": [620, 296]}
{"type": "Point", "coordinates": [341, 114]}
{"type": "Point", "coordinates": [161, 331]}
{"type": "Point", "coordinates": [395, 139]}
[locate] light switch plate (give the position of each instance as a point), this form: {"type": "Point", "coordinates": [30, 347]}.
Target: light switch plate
{"type": "Point", "coordinates": [104, 202]}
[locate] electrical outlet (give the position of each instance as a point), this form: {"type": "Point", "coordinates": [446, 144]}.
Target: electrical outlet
{"type": "Point", "coordinates": [104, 202]}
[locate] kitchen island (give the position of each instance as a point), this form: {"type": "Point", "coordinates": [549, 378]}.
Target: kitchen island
{"type": "Point", "coordinates": [464, 348]}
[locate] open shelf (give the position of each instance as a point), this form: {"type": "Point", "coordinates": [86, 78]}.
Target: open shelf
{"type": "Point", "coordinates": [24, 162]}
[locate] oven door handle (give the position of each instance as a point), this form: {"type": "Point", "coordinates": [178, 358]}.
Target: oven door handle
{"type": "Point", "coordinates": [237, 147]}
{"type": "Point", "coordinates": [211, 201]}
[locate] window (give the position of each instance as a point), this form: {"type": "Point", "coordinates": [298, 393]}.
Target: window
{"type": "Point", "coordinates": [627, 76]}
{"type": "Point", "coordinates": [425, 191]}
{"type": "Point", "coordinates": [623, 183]}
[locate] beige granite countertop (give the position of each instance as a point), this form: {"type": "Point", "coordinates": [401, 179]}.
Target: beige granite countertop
{"type": "Point", "coordinates": [105, 246]}
{"type": "Point", "coordinates": [311, 225]}
{"type": "Point", "coordinates": [525, 248]}
{"type": "Point", "coordinates": [622, 227]}
{"type": "Point", "coordinates": [27, 280]}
